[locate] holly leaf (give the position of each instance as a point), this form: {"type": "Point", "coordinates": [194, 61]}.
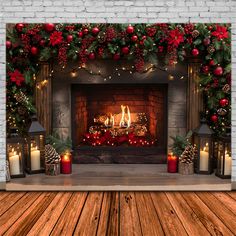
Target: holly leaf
{"type": "Point", "coordinates": [217, 45]}
{"type": "Point", "coordinates": [45, 54]}
{"type": "Point", "coordinates": [28, 77]}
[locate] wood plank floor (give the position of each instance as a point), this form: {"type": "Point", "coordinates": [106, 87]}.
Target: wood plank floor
{"type": "Point", "coordinates": [118, 213]}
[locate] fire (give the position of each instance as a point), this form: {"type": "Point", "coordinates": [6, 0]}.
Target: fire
{"type": "Point", "coordinates": [125, 120]}
{"type": "Point", "coordinates": [109, 122]}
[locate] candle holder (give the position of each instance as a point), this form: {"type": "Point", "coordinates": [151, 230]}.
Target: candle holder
{"type": "Point", "coordinates": [172, 163]}
{"type": "Point", "coordinates": [224, 159]}
{"type": "Point", "coordinates": [202, 139]}
{"type": "Point", "coordinates": [15, 154]}
{"type": "Point", "coordinates": [66, 163]}
{"type": "Point", "coordinates": [35, 162]}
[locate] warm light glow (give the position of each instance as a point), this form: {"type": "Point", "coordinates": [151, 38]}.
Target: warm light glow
{"type": "Point", "coordinates": [125, 120]}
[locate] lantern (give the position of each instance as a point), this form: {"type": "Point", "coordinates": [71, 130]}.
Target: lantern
{"type": "Point", "coordinates": [15, 154]}
{"type": "Point", "coordinates": [202, 139]}
{"type": "Point", "coordinates": [224, 159]}
{"type": "Point", "coordinates": [35, 162]}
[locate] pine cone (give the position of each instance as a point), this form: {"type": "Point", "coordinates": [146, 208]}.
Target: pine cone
{"type": "Point", "coordinates": [101, 37]}
{"type": "Point", "coordinates": [188, 155]}
{"type": "Point", "coordinates": [226, 88]}
{"type": "Point", "coordinates": [51, 156]}
{"type": "Point", "coordinates": [195, 33]}
{"type": "Point", "coordinates": [222, 111]}
{"type": "Point", "coordinates": [211, 49]}
{"type": "Point", "coordinates": [21, 97]}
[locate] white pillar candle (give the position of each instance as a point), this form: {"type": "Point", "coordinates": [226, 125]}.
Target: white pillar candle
{"type": "Point", "coordinates": [14, 161]}
{"type": "Point", "coordinates": [204, 159]}
{"type": "Point", "coordinates": [228, 164]}
{"type": "Point", "coordinates": [35, 159]}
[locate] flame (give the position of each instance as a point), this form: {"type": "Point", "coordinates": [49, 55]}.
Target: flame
{"type": "Point", "coordinates": [125, 120]}
{"type": "Point", "coordinates": [109, 121]}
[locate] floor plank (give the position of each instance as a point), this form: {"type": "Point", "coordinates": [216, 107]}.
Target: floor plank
{"type": "Point", "coordinates": [26, 221]}
{"type": "Point", "coordinates": [206, 216]}
{"type": "Point", "coordinates": [104, 214]}
{"type": "Point", "coordinates": [150, 223]}
{"type": "Point", "coordinates": [71, 212]}
{"type": "Point", "coordinates": [232, 194]}
{"type": "Point", "coordinates": [169, 219]}
{"type": "Point", "coordinates": [113, 226]}
{"type": "Point", "coordinates": [4, 194]}
{"type": "Point", "coordinates": [129, 218]}
{"type": "Point", "coordinates": [219, 209]}
{"type": "Point", "coordinates": [88, 221]}
{"type": "Point", "coordinates": [49, 218]}
{"type": "Point", "coordinates": [189, 219]}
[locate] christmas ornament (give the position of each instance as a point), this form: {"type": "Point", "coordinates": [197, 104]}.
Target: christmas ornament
{"type": "Point", "coordinates": [210, 27]}
{"type": "Point", "coordinates": [218, 71]}
{"type": "Point", "coordinates": [85, 31]}
{"type": "Point", "coordinates": [222, 111]}
{"type": "Point", "coordinates": [49, 27]}
{"type": "Point", "coordinates": [56, 38]}
{"type": "Point", "coordinates": [134, 38]}
{"type": "Point", "coordinates": [226, 88]}
{"type": "Point", "coordinates": [211, 49]}
{"type": "Point", "coordinates": [19, 27]}
{"type": "Point", "coordinates": [34, 51]}
{"type": "Point", "coordinates": [211, 62]}
{"type": "Point", "coordinates": [220, 32]}
{"type": "Point", "coordinates": [42, 42]}
{"type": "Point", "coordinates": [205, 69]}
{"type": "Point", "coordinates": [91, 56]}
{"type": "Point", "coordinates": [8, 44]}
{"type": "Point", "coordinates": [206, 41]}
{"type": "Point", "coordinates": [80, 34]}
{"type": "Point", "coordinates": [125, 50]}
{"type": "Point", "coordinates": [224, 102]}
{"type": "Point", "coordinates": [69, 38]}
{"type": "Point", "coordinates": [195, 52]}
{"type": "Point", "coordinates": [95, 30]}
{"type": "Point", "coordinates": [130, 29]}
{"type": "Point", "coordinates": [214, 118]}
{"type": "Point", "coordinates": [195, 33]}
{"type": "Point", "coordinates": [116, 56]}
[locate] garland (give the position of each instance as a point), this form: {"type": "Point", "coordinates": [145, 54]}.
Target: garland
{"type": "Point", "coordinates": [28, 44]}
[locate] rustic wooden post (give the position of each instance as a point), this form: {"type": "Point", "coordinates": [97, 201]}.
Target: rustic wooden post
{"type": "Point", "coordinates": [43, 96]}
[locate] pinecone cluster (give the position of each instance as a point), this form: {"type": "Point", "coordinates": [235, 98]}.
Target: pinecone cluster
{"type": "Point", "coordinates": [21, 97]}
{"type": "Point", "coordinates": [188, 155]}
{"type": "Point", "coordinates": [211, 49]}
{"type": "Point", "coordinates": [195, 33]}
{"type": "Point", "coordinates": [51, 156]}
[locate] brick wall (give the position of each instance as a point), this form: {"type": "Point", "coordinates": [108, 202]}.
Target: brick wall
{"type": "Point", "coordinates": [13, 11]}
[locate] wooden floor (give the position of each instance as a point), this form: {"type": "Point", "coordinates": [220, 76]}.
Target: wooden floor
{"type": "Point", "coordinates": [117, 213]}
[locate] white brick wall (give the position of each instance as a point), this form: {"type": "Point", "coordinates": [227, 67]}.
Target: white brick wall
{"type": "Point", "coordinates": [179, 11]}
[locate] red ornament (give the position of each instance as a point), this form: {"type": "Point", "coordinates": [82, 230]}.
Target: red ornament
{"type": "Point", "coordinates": [19, 27]}
{"type": "Point", "coordinates": [205, 69]}
{"type": "Point", "coordinates": [91, 56]}
{"type": "Point", "coordinates": [224, 102]}
{"type": "Point", "coordinates": [195, 52]}
{"type": "Point", "coordinates": [125, 50]}
{"type": "Point", "coordinates": [206, 41]}
{"type": "Point", "coordinates": [214, 118]}
{"type": "Point", "coordinates": [116, 56]}
{"type": "Point", "coordinates": [95, 30]}
{"type": "Point", "coordinates": [218, 71]}
{"type": "Point", "coordinates": [212, 63]}
{"type": "Point", "coordinates": [8, 44]}
{"type": "Point", "coordinates": [80, 34]}
{"type": "Point", "coordinates": [49, 27]}
{"type": "Point", "coordinates": [42, 42]}
{"type": "Point", "coordinates": [85, 31]}
{"type": "Point", "coordinates": [134, 38]}
{"type": "Point", "coordinates": [210, 27]}
{"type": "Point", "coordinates": [34, 51]}
{"type": "Point", "coordinates": [130, 29]}
{"type": "Point", "coordinates": [69, 38]}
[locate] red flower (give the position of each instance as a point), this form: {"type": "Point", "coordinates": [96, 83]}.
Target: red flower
{"type": "Point", "coordinates": [56, 38]}
{"type": "Point", "coordinates": [220, 32]}
{"type": "Point", "coordinates": [16, 77]}
{"type": "Point", "coordinates": [175, 37]}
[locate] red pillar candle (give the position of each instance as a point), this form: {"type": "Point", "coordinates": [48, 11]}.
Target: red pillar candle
{"type": "Point", "coordinates": [172, 163]}
{"type": "Point", "coordinates": [66, 163]}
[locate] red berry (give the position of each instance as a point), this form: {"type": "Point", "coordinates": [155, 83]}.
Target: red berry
{"type": "Point", "coordinates": [211, 62]}
{"type": "Point", "coordinates": [144, 37]}
{"type": "Point", "coordinates": [116, 56]}
{"type": "Point", "coordinates": [130, 29]}
{"type": "Point", "coordinates": [224, 102]}
{"type": "Point", "coordinates": [49, 27]}
{"type": "Point", "coordinates": [218, 71]}
{"type": "Point", "coordinates": [42, 42]}
{"type": "Point", "coordinates": [210, 27]}
{"type": "Point", "coordinates": [134, 38]}
{"type": "Point", "coordinates": [195, 52]}
{"type": "Point", "coordinates": [214, 118]}
{"type": "Point", "coordinates": [34, 51]}
{"type": "Point", "coordinates": [125, 50]}
{"type": "Point", "coordinates": [91, 56]}
{"type": "Point", "coordinates": [69, 38]}
{"type": "Point", "coordinates": [95, 30]}
{"type": "Point", "coordinates": [19, 27]}
{"type": "Point", "coordinates": [80, 34]}
{"type": "Point", "coordinates": [206, 41]}
{"type": "Point", "coordinates": [85, 31]}
{"type": "Point", "coordinates": [8, 44]}
{"type": "Point", "coordinates": [205, 69]}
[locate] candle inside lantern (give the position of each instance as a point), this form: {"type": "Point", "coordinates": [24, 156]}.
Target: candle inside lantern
{"type": "Point", "coordinates": [228, 164]}
{"type": "Point", "coordinates": [14, 161]}
{"type": "Point", "coordinates": [35, 158]}
{"type": "Point", "coordinates": [172, 163]}
{"type": "Point", "coordinates": [204, 158]}
{"type": "Point", "coordinates": [66, 163]}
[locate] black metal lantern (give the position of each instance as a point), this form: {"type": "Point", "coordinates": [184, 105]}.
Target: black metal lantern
{"type": "Point", "coordinates": [35, 162]}
{"type": "Point", "coordinates": [202, 139]}
{"type": "Point", "coordinates": [16, 154]}
{"type": "Point", "coordinates": [224, 159]}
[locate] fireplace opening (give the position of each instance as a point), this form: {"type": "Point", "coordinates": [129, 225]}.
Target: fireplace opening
{"type": "Point", "coordinates": [125, 119]}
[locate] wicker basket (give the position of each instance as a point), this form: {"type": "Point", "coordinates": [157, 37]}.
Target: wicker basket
{"type": "Point", "coordinates": [186, 168]}
{"type": "Point", "coordinates": [52, 169]}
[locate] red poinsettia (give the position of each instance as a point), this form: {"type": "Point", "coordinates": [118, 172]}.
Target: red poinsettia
{"type": "Point", "coordinates": [16, 77]}
{"type": "Point", "coordinates": [56, 38]}
{"type": "Point", "coordinates": [175, 37]}
{"type": "Point", "coordinates": [220, 32]}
